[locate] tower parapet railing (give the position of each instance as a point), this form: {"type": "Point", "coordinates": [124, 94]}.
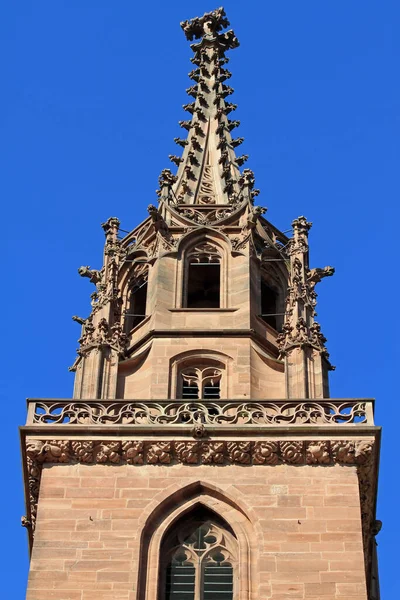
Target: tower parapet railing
{"type": "Point", "coordinates": [142, 415]}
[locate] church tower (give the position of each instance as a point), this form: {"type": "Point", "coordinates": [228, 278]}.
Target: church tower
{"type": "Point", "coordinates": [201, 456]}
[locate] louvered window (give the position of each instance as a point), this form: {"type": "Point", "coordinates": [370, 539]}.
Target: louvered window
{"type": "Point", "coordinates": [218, 581]}
{"type": "Point", "coordinates": [200, 561]}
{"type": "Point", "coordinates": [180, 581]}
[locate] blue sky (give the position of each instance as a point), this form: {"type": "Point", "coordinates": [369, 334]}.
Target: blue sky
{"type": "Point", "coordinates": [92, 94]}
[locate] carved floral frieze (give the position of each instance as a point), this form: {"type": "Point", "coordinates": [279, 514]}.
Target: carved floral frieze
{"type": "Point", "coordinates": [138, 452]}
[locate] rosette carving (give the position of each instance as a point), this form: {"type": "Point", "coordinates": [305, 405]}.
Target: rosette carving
{"type": "Point", "coordinates": [344, 452]}
{"type": "Point", "coordinates": [213, 452]}
{"type": "Point", "coordinates": [292, 452]}
{"type": "Point", "coordinates": [187, 452]}
{"type": "Point", "coordinates": [56, 451]}
{"type": "Point", "coordinates": [159, 452]}
{"type": "Point", "coordinates": [132, 452]}
{"type": "Point", "coordinates": [363, 452]}
{"type": "Point", "coordinates": [239, 452]}
{"type": "Point", "coordinates": [265, 453]}
{"type": "Point", "coordinates": [83, 451]}
{"type": "Point", "coordinates": [317, 453]}
{"type": "Point", "coordinates": [108, 452]}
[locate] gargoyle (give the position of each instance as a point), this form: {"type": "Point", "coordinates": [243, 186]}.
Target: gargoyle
{"type": "Point", "coordinates": [316, 275]}
{"type": "Point", "coordinates": [254, 215]}
{"type": "Point", "coordinates": [93, 274]}
{"type": "Point", "coordinates": [158, 221]}
{"type": "Point", "coordinates": [78, 319]}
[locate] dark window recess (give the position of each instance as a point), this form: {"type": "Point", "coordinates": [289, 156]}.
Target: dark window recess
{"type": "Point", "coordinates": [203, 290]}
{"type": "Point", "coordinates": [218, 581]}
{"type": "Point", "coordinates": [190, 390]}
{"type": "Point", "coordinates": [268, 305]}
{"type": "Point", "coordinates": [179, 581]}
{"type": "Point", "coordinates": [137, 306]}
{"type": "Point", "coordinates": [211, 391]}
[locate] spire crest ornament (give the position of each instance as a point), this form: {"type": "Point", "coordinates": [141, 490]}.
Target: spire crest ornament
{"type": "Point", "coordinates": [208, 159]}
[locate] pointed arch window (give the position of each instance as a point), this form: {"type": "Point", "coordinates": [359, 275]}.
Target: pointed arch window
{"type": "Point", "coordinates": [199, 559]}
{"type": "Point", "coordinates": [203, 277]}
{"type": "Point", "coordinates": [135, 311]}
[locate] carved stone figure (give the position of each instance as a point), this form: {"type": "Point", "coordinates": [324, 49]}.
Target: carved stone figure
{"type": "Point", "coordinates": [316, 275]}
{"type": "Point", "coordinates": [158, 221]}
{"type": "Point", "coordinates": [92, 274]}
{"type": "Point", "coordinates": [253, 216]}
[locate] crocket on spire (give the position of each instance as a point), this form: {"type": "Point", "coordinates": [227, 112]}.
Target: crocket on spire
{"type": "Point", "coordinates": [208, 169]}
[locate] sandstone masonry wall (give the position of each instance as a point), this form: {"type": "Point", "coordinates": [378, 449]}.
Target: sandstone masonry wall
{"type": "Point", "coordinates": [307, 541]}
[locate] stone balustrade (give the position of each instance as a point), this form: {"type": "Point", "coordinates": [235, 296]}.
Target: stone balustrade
{"type": "Point", "coordinates": [182, 413]}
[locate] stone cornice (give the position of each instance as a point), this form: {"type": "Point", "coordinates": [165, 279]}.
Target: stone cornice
{"type": "Point", "coordinates": [201, 333]}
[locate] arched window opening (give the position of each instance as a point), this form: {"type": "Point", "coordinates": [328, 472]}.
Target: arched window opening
{"type": "Point", "coordinates": [269, 304]}
{"type": "Point", "coordinates": [201, 383]}
{"type": "Point", "coordinates": [137, 298]}
{"type": "Point", "coordinates": [190, 387]}
{"type": "Point", "coordinates": [198, 559]}
{"type": "Point", "coordinates": [203, 281]}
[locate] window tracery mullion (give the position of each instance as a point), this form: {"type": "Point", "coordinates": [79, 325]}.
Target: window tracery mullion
{"type": "Point", "coordinates": [208, 555]}
{"type": "Point", "coordinates": [201, 383]}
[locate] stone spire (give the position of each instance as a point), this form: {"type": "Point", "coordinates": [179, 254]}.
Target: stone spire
{"type": "Point", "coordinates": [208, 169]}
{"type": "Point", "coordinates": [208, 203]}
{"type": "Point", "coordinates": [301, 342]}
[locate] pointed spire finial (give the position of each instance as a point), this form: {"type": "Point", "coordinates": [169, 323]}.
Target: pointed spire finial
{"type": "Point", "coordinates": [208, 159]}
{"type": "Point", "coordinates": [208, 24]}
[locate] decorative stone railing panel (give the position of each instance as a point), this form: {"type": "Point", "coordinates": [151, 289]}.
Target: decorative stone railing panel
{"type": "Point", "coordinates": [180, 412]}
